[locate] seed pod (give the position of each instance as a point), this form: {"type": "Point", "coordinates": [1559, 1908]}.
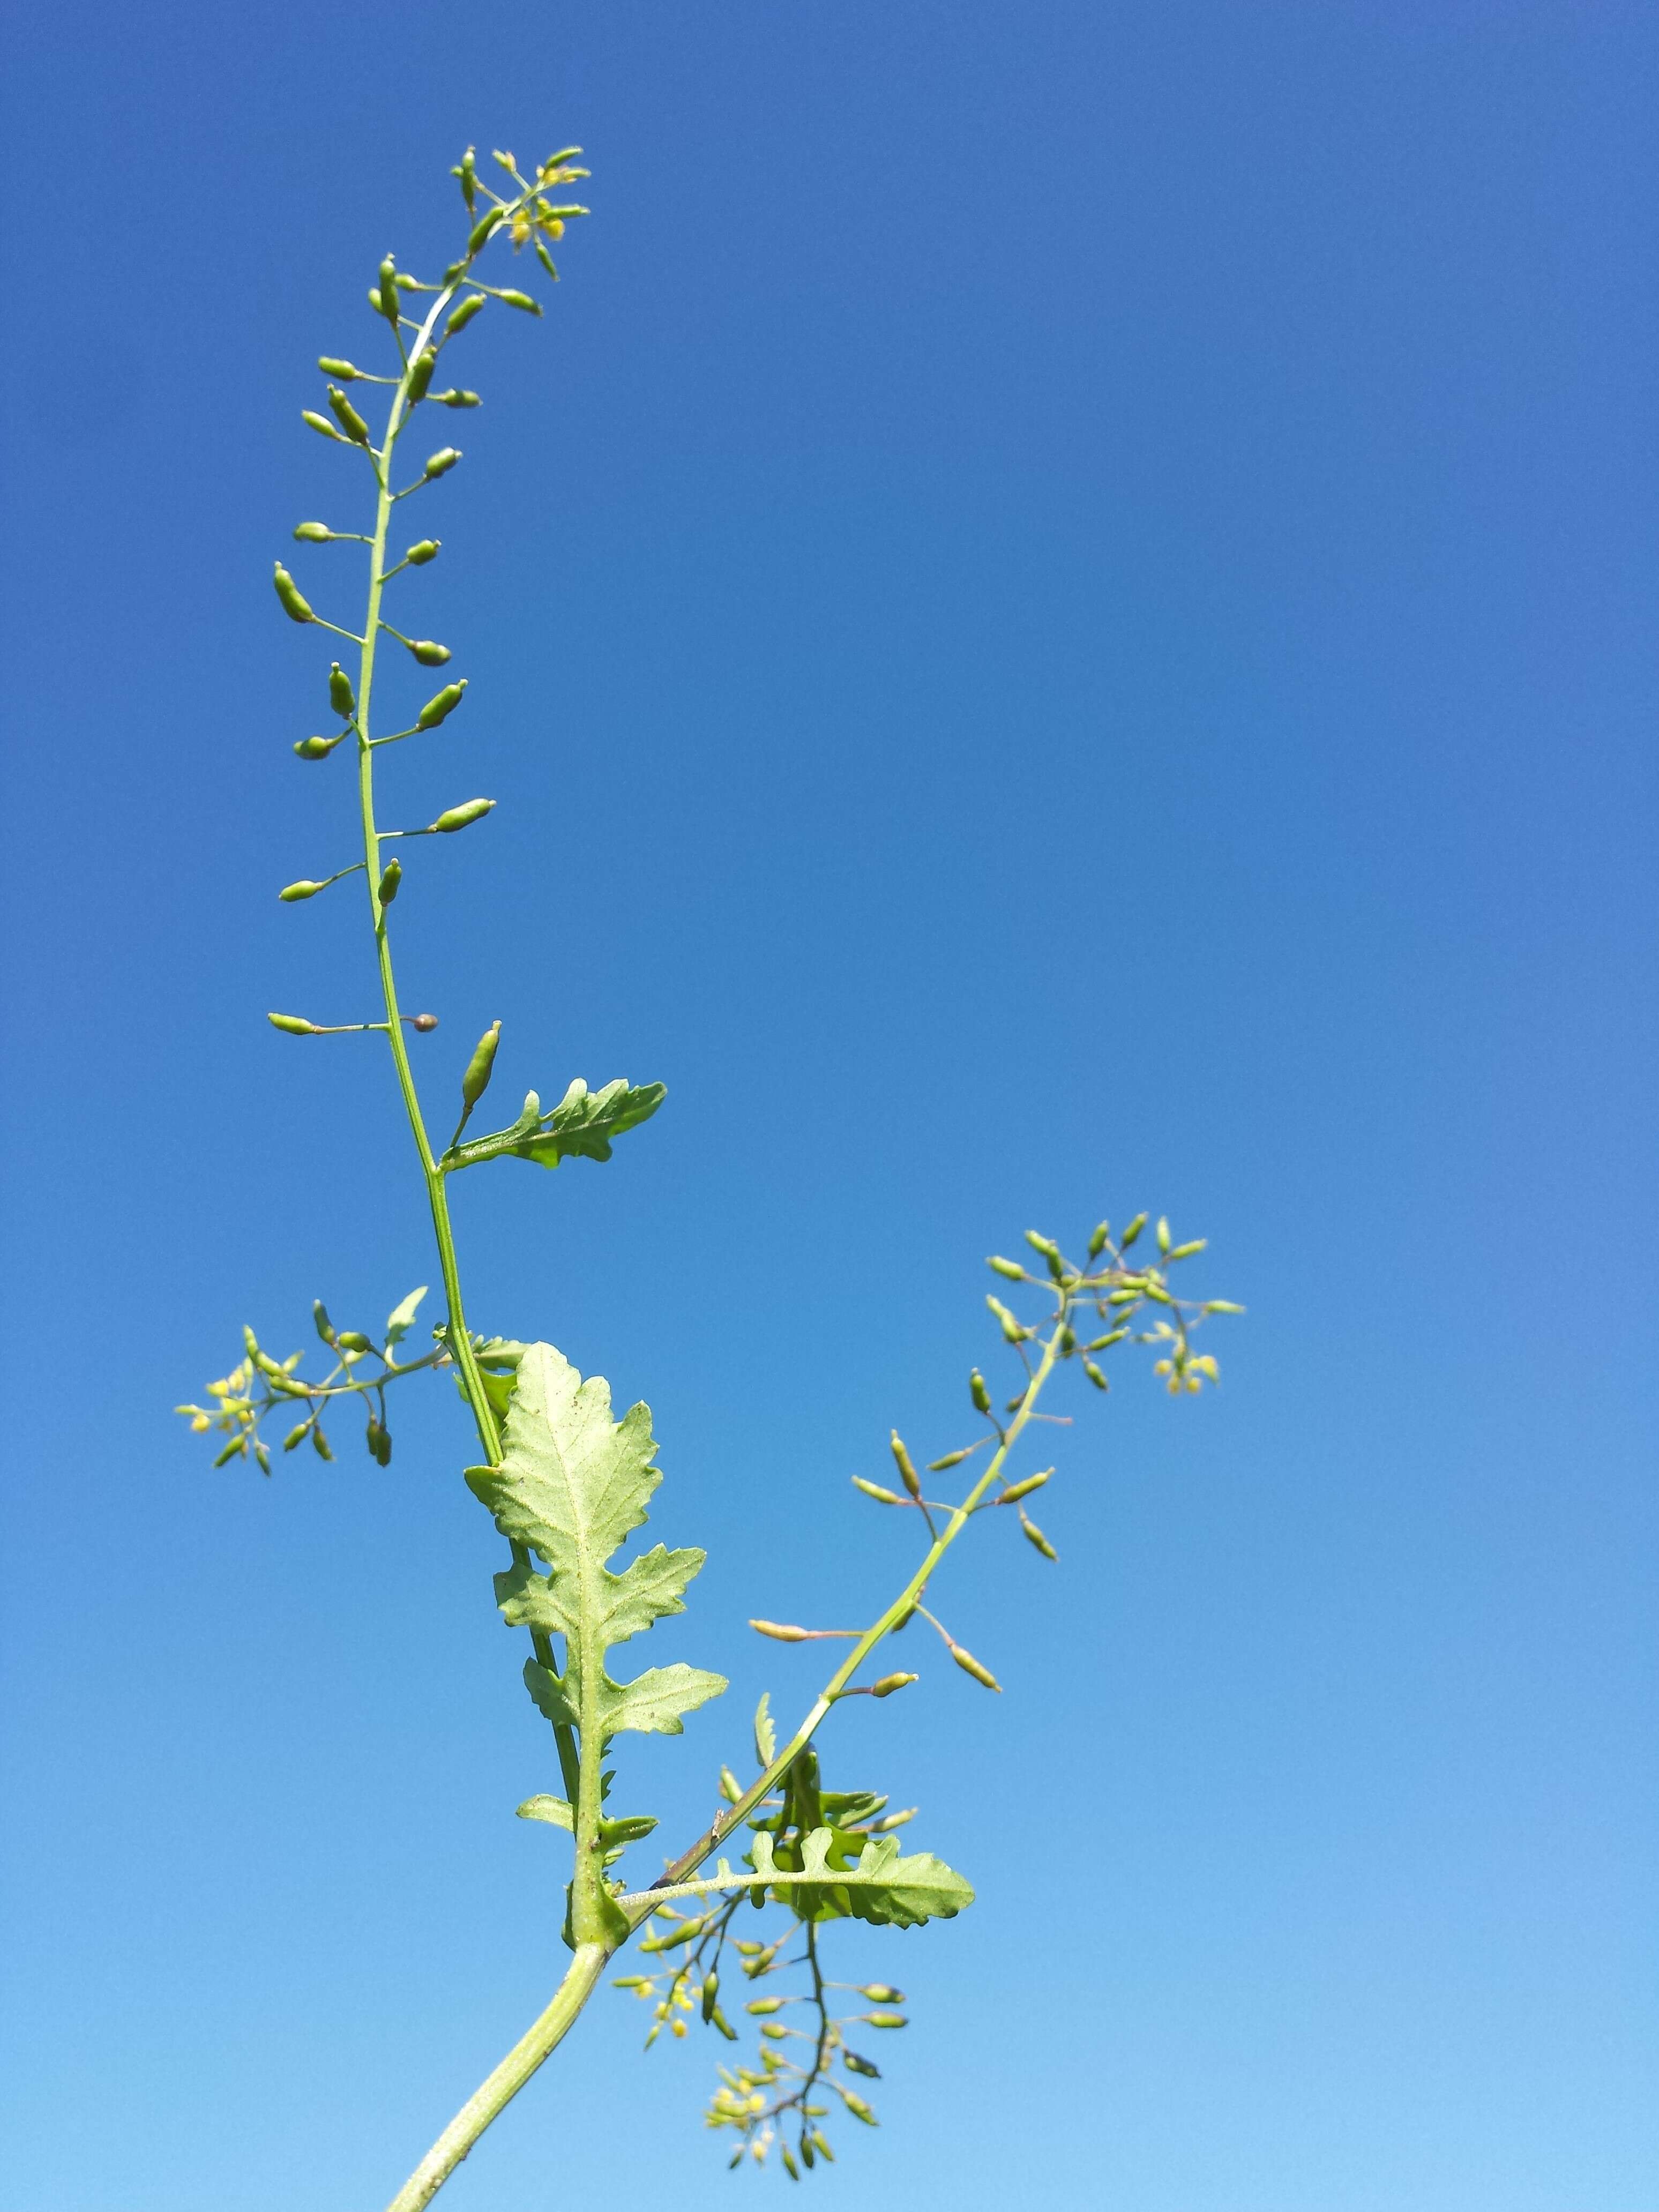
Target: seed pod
{"type": "Point", "coordinates": [292, 1024]}
{"type": "Point", "coordinates": [424, 1023]}
{"type": "Point", "coordinates": [461, 818]}
{"type": "Point", "coordinates": [441, 462]}
{"type": "Point", "coordinates": [296, 1436]}
{"type": "Point", "coordinates": [341, 696]}
{"type": "Point", "coordinates": [1038, 1243]}
{"type": "Point", "coordinates": [1186, 1251]}
{"type": "Point", "coordinates": [1033, 1535]}
{"type": "Point", "coordinates": [325, 1326]}
{"type": "Point", "coordinates": [545, 258]}
{"type": "Point", "coordinates": [969, 1665]}
{"type": "Point", "coordinates": [313, 534]}
{"type": "Point", "coordinates": [319, 1441]}
{"type": "Point", "coordinates": [1023, 1488]}
{"type": "Point", "coordinates": [482, 229]}
{"type": "Point", "coordinates": [711, 1990]}
{"type": "Point", "coordinates": [1012, 1330]}
{"type": "Point", "coordinates": [1095, 1375]}
{"type": "Point", "coordinates": [347, 417]}
{"type": "Point", "coordinates": [857, 2065]}
{"type": "Point", "coordinates": [427, 549]}
{"type": "Point", "coordinates": [759, 2005]}
{"type": "Point", "coordinates": [731, 1788]}
{"type": "Point", "coordinates": [1097, 1236]}
{"type": "Point", "coordinates": [874, 1490]}
{"type": "Point", "coordinates": [438, 708]}
{"type": "Point", "coordinates": [1222, 1305]}
{"type": "Point", "coordinates": [420, 374]}
{"type": "Point", "coordinates": [1163, 1234]}
{"type": "Point", "coordinates": [901, 1461]}
{"type": "Point", "coordinates": [780, 1632]}
{"type": "Point", "coordinates": [951, 1459]}
{"type": "Point", "coordinates": [823, 2148]}
{"type": "Point", "coordinates": [889, 1683]}
{"type": "Point", "coordinates": [880, 1993]}
{"type": "Point", "coordinates": [331, 365]}
{"type": "Point", "coordinates": [473, 305]}
{"type": "Point", "coordinates": [428, 653]}
{"type": "Point", "coordinates": [456, 398]}
{"type": "Point", "coordinates": [317, 748]}
{"type": "Point", "coordinates": [808, 2155]}
{"type": "Point", "coordinates": [353, 1340]}
{"type": "Point", "coordinates": [320, 424]}
{"type": "Point", "coordinates": [856, 2106]}
{"type": "Point", "coordinates": [303, 890]}
{"type": "Point", "coordinates": [1101, 1343]}
{"type": "Point", "coordinates": [391, 877]}
{"type": "Point", "coordinates": [464, 170]}
{"type": "Point", "coordinates": [522, 300]}
{"type": "Point", "coordinates": [1011, 1268]}
{"type": "Point", "coordinates": [1131, 1232]}
{"type": "Point", "coordinates": [885, 2019]}
{"type": "Point", "coordinates": [295, 606]}
{"type": "Point", "coordinates": [475, 1081]}
{"type": "Point", "coordinates": [788, 2158]}
{"type": "Point", "coordinates": [980, 1396]}
{"type": "Point", "coordinates": [387, 299]}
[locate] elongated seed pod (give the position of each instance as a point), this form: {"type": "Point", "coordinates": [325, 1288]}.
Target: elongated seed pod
{"type": "Point", "coordinates": [780, 1632]}
{"type": "Point", "coordinates": [1095, 1375]}
{"type": "Point", "coordinates": [880, 1993]}
{"type": "Point", "coordinates": [458, 817]}
{"type": "Point", "coordinates": [292, 1024]}
{"type": "Point", "coordinates": [420, 374]}
{"type": "Point", "coordinates": [441, 462]}
{"type": "Point", "coordinates": [341, 696]}
{"type": "Point", "coordinates": [522, 300]}
{"type": "Point", "coordinates": [885, 2019]}
{"type": "Point", "coordinates": [1011, 1268]}
{"type": "Point", "coordinates": [856, 2106]}
{"type": "Point", "coordinates": [482, 229]}
{"type": "Point", "coordinates": [296, 605]}
{"type": "Point", "coordinates": [980, 1396]}
{"type": "Point", "coordinates": [473, 304]}
{"type": "Point", "coordinates": [1033, 1535]}
{"type": "Point", "coordinates": [317, 748]}
{"type": "Point", "coordinates": [475, 1081]}
{"type": "Point", "coordinates": [1131, 1232]}
{"type": "Point", "coordinates": [347, 417]}
{"type": "Point", "coordinates": [438, 708]}
{"type": "Point", "coordinates": [390, 306]}
{"type": "Point", "coordinates": [757, 2006]}
{"type": "Point", "coordinates": [426, 549]}
{"type": "Point", "coordinates": [456, 398]}
{"type": "Point", "coordinates": [1097, 1236]}
{"type": "Point", "coordinates": [428, 652]}
{"type": "Point", "coordinates": [332, 365]}
{"type": "Point", "coordinates": [1024, 1489]}
{"type": "Point", "coordinates": [874, 1490]}
{"type": "Point", "coordinates": [969, 1665]}
{"type": "Point", "coordinates": [859, 2065]}
{"type": "Point", "coordinates": [313, 534]}
{"type": "Point", "coordinates": [391, 877]}
{"type": "Point", "coordinates": [951, 1459]}
{"type": "Point", "coordinates": [901, 1461]}
{"type": "Point", "coordinates": [320, 423]}
{"type": "Point", "coordinates": [303, 890]}
{"type": "Point", "coordinates": [889, 1683]}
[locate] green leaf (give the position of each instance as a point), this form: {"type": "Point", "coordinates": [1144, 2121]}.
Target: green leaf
{"type": "Point", "coordinates": [766, 1734]}
{"type": "Point", "coordinates": [882, 1889]}
{"type": "Point", "coordinates": [401, 1319]}
{"type": "Point", "coordinates": [581, 1126]}
{"type": "Point", "coordinates": [556, 1811]}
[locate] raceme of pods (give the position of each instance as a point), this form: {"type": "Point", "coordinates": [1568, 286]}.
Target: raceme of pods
{"type": "Point", "coordinates": [565, 1482]}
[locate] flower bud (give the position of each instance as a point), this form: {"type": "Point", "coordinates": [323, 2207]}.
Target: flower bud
{"type": "Point", "coordinates": [347, 417]}
{"type": "Point", "coordinates": [317, 748]}
{"type": "Point", "coordinates": [424, 1023]}
{"type": "Point", "coordinates": [341, 696]}
{"type": "Point", "coordinates": [969, 1665]}
{"type": "Point", "coordinates": [441, 462]}
{"type": "Point", "coordinates": [889, 1683]}
{"type": "Point", "coordinates": [295, 606]}
{"type": "Point", "coordinates": [292, 1024]}
{"type": "Point", "coordinates": [780, 1632]}
{"type": "Point", "coordinates": [980, 1396]}
{"type": "Point", "coordinates": [473, 305]}
{"type": "Point", "coordinates": [901, 1461]}
{"type": "Point", "coordinates": [439, 708]}
{"type": "Point", "coordinates": [418, 555]}
{"type": "Point", "coordinates": [320, 424]}
{"type": "Point", "coordinates": [332, 365]}
{"type": "Point", "coordinates": [475, 1081]}
{"type": "Point", "coordinates": [428, 653]}
{"type": "Point", "coordinates": [313, 534]}
{"type": "Point", "coordinates": [391, 877]}
{"type": "Point", "coordinates": [874, 1490]}
{"type": "Point", "coordinates": [303, 890]}
{"type": "Point", "coordinates": [522, 300]}
{"type": "Point", "coordinates": [456, 398]}
{"type": "Point", "coordinates": [459, 817]}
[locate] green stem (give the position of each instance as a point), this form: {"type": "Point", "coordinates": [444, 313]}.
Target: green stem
{"type": "Point", "coordinates": [504, 2084]}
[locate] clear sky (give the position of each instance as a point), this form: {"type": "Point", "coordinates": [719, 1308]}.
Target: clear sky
{"type": "Point", "coordinates": [1061, 614]}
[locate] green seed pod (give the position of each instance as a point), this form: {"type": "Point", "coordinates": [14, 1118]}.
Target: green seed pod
{"type": "Point", "coordinates": [341, 696]}
{"type": "Point", "coordinates": [292, 1024]}
{"type": "Point", "coordinates": [325, 1326]}
{"type": "Point", "coordinates": [856, 2106]}
{"type": "Point", "coordinates": [475, 1081]}
{"type": "Point", "coordinates": [864, 2066]}
{"type": "Point", "coordinates": [951, 1459]}
{"type": "Point", "coordinates": [711, 1990]}
{"type": "Point", "coordinates": [295, 606]}
{"type": "Point", "coordinates": [1011, 1268]}
{"type": "Point", "coordinates": [461, 818]}
{"type": "Point", "coordinates": [386, 298]}
{"type": "Point", "coordinates": [236, 1444]}
{"type": "Point", "coordinates": [427, 549]}
{"type": "Point", "coordinates": [980, 1396]}
{"type": "Point", "coordinates": [313, 534]}
{"type": "Point", "coordinates": [788, 2158]}
{"type": "Point", "coordinates": [1187, 1251]}
{"type": "Point", "coordinates": [1095, 1375]}
{"type": "Point", "coordinates": [1131, 1232]}
{"type": "Point", "coordinates": [347, 417]}
{"type": "Point", "coordinates": [1103, 1343]}
{"type": "Point", "coordinates": [1012, 1330]}
{"type": "Point", "coordinates": [1033, 1535]}
{"type": "Point", "coordinates": [439, 708]}
{"type": "Point", "coordinates": [780, 1632]}
{"type": "Point", "coordinates": [1163, 1234]}
{"type": "Point", "coordinates": [823, 2148]}
{"type": "Point", "coordinates": [331, 365]}
{"type": "Point", "coordinates": [319, 1441]}
{"type": "Point", "coordinates": [874, 1490]}
{"type": "Point", "coordinates": [473, 305]}
{"type": "Point", "coordinates": [1097, 1236]}
{"type": "Point", "coordinates": [303, 890]}
{"type": "Point", "coordinates": [969, 1665]}
{"type": "Point", "coordinates": [808, 2155]}
{"type": "Point", "coordinates": [880, 1993]}
{"type": "Point", "coordinates": [428, 653]}
{"type": "Point", "coordinates": [456, 398]}
{"type": "Point", "coordinates": [420, 374]}
{"type": "Point", "coordinates": [464, 170]}
{"type": "Point", "coordinates": [353, 1340]}
{"type": "Point", "coordinates": [1045, 1245]}
{"type": "Point", "coordinates": [731, 1788]}
{"type": "Point", "coordinates": [296, 1436]}
{"type": "Point", "coordinates": [522, 300]}
{"type": "Point", "coordinates": [759, 2005]}
{"type": "Point", "coordinates": [391, 876]}
{"type": "Point", "coordinates": [1222, 1305]}
{"type": "Point", "coordinates": [249, 1342]}
{"type": "Point", "coordinates": [320, 423]}
{"type": "Point", "coordinates": [885, 2019]}
{"type": "Point", "coordinates": [901, 1461]}
{"type": "Point", "coordinates": [546, 258]}
{"type": "Point", "coordinates": [1024, 1489]}
{"type": "Point", "coordinates": [317, 747]}
{"type": "Point", "coordinates": [889, 1683]}
{"type": "Point", "coordinates": [482, 229]}
{"type": "Point", "coordinates": [441, 462]}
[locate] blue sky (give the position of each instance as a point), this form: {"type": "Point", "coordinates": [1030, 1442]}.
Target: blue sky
{"type": "Point", "coordinates": [1060, 616]}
